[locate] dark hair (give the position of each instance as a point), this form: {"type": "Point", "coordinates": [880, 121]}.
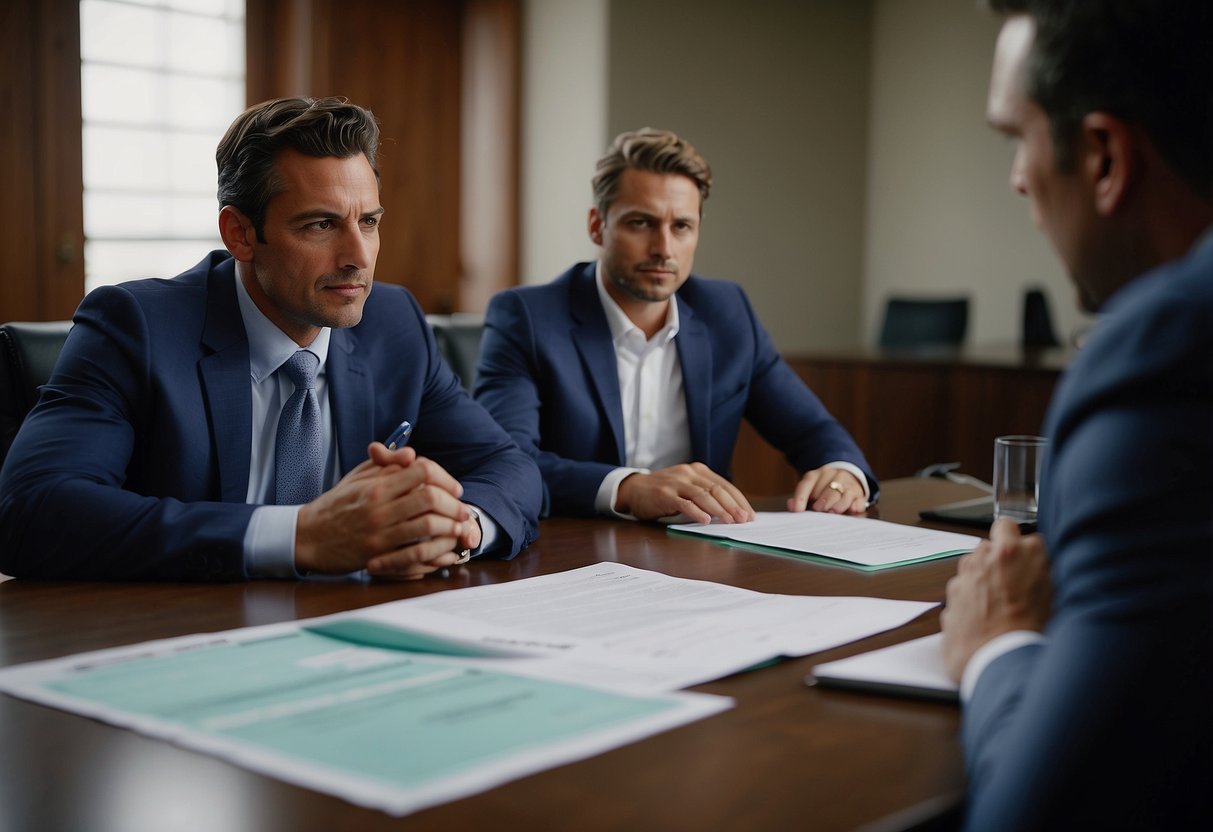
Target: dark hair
{"type": "Point", "coordinates": [1149, 62]}
{"type": "Point", "coordinates": [314, 126]}
{"type": "Point", "coordinates": [656, 151]}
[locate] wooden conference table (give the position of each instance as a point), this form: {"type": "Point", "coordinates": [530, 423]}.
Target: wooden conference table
{"type": "Point", "coordinates": [787, 756]}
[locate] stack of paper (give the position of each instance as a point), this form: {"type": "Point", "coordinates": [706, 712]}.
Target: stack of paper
{"type": "Point", "coordinates": [912, 668]}
{"type": "Point", "coordinates": [835, 538]}
{"type": "Point", "coordinates": [417, 702]}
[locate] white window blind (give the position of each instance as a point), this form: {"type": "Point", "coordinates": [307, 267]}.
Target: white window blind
{"type": "Point", "coordinates": [161, 80]}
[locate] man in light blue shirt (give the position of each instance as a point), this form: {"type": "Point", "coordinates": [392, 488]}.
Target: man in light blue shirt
{"type": "Point", "coordinates": [158, 450]}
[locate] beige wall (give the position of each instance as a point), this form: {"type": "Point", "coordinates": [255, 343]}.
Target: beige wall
{"type": "Point", "coordinates": [941, 218]}
{"type": "Point", "coordinates": [564, 89]}
{"type": "Point", "coordinates": [774, 94]}
{"type": "Point", "coordinates": [848, 144]}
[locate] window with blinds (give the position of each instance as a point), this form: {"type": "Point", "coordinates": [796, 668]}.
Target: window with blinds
{"type": "Point", "coordinates": [160, 82]}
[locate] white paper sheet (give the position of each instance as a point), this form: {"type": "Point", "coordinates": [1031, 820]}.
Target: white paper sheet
{"type": "Point", "coordinates": [871, 544]}
{"type": "Point", "coordinates": [912, 668]}
{"type": "Point", "coordinates": [613, 622]}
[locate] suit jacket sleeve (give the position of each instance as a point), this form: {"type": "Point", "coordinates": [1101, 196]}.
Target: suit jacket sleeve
{"type": "Point", "coordinates": [134, 464]}
{"type": "Point", "coordinates": [1107, 725]}
{"type": "Point", "coordinates": [71, 484]}
{"type": "Point", "coordinates": [460, 435]}
{"type": "Point", "coordinates": [506, 384]}
{"type": "Point", "coordinates": [789, 415]}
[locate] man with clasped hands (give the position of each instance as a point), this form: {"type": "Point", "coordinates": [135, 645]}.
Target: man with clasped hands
{"type": "Point", "coordinates": [162, 447]}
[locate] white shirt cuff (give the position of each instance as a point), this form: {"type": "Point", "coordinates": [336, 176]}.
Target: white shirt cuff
{"type": "Point", "coordinates": [990, 651]}
{"type": "Point", "coordinates": [608, 492]}
{"type": "Point", "coordinates": [269, 542]}
{"type": "Point", "coordinates": [489, 530]}
{"type": "Point", "coordinates": [857, 473]}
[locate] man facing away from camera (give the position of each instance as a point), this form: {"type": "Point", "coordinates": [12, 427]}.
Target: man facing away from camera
{"type": "Point", "coordinates": [1085, 652]}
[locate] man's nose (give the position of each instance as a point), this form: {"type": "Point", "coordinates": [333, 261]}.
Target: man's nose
{"type": "Point", "coordinates": [357, 249]}
{"type": "Point", "coordinates": [660, 245]}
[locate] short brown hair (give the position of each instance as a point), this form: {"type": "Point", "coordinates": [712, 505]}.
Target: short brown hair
{"type": "Point", "coordinates": [317, 127]}
{"type": "Point", "coordinates": [656, 151]}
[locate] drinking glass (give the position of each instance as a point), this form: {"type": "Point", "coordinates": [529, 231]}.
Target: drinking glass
{"type": "Point", "coordinates": [1017, 465]}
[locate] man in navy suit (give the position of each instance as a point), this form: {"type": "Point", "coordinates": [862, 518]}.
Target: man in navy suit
{"type": "Point", "coordinates": [152, 452]}
{"type": "Point", "coordinates": [627, 378]}
{"type": "Point", "coordinates": [1085, 652]}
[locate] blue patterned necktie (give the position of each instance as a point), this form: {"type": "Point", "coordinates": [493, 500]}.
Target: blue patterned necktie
{"type": "Point", "coordinates": [298, 451]}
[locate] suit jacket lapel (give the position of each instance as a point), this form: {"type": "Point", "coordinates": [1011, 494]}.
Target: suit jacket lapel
{"type": "Point", "coordinates": [351, 398]}
{"type": "Point", "coordinates": [592, 338]}
{"type": "Point", "coordinates": [224, 370]}
{"type": "Point", "coordinates": [695, 356]}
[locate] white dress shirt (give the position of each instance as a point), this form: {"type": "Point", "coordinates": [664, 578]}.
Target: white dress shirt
{"type": "Point", "coordinates": [655, 430]}
{"type": "Point", "coordinates": [656, 433]}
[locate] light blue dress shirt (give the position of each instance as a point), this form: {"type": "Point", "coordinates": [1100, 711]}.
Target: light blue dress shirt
{"type": "Point", "coordinates": [269, 541]}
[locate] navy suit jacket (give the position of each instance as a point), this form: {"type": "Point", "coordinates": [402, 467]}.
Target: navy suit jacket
{"type": "Point", "coordinates": [547, 373]}
{"type": "Point", "coordinates": [135, 461]}
{"type": "Point", "coordinates": [1107, 724]}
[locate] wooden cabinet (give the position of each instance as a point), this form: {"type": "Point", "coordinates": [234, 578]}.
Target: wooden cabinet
{"type": "Point", "coordinates": [909, 410]}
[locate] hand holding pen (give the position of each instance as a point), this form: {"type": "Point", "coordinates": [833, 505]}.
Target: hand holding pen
{"type": "Point", "coordinates": [465, 539]}
{"type": "Point", "coordinates": [397, 515]}
{"type": "Point", "coordinates": [398, 439]}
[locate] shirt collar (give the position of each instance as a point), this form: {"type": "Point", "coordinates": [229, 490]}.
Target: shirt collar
{"type": "Point", "coordinates": [269, 346]}
{"type": "Point", "coordinates": [620, 324]}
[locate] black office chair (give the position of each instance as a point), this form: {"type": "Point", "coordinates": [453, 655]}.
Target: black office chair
{"type": "Point", "coordinates": [458, 338]}
{"type": "Point", "coordinates": [1037, 322]}
{"type": "Point", "coordinates": [916, 323]}
{"type": "Point", "coordinates": [28, 352]}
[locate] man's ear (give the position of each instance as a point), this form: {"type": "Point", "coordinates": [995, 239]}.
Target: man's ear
{"type": "Point", "coordinates": [1110, 160]}
{"type": "Point", "coordinates": [237, 233]}
{"type": "Point", "coordinates": [594, 224]}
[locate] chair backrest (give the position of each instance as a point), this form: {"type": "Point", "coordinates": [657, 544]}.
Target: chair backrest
{"type": "Point", "coordinates": [28, 352]}
{"type": "Point", "coordinates": [1037, 323]}
{"type": "Point", "coordinates": [911, 323]}
{"type": "Point", "coordinates": [458, 338]}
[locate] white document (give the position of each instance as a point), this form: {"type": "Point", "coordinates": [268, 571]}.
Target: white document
{"type": "Point", "coordinates": [386, 729]}
{"type": "Point", "coordinates": [870, 544]}
{"type": "Point", "coordinates": [614, 623]}
{"type": "Point", "coordinates": [912, 668]}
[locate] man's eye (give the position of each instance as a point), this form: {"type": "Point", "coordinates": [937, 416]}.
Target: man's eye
{"type": "Point", "coordinates": [322, 225]}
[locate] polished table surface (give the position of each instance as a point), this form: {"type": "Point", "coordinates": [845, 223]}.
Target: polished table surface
{"type": "Point", "coordinates": [786, 756]}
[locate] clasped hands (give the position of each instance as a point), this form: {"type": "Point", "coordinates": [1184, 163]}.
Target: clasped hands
{"type": "Point", "coordinates": [397, 515]}
{"type": "Point", "coordinates": [1001, 586]}
{"type": "Point", "coordinates": [694, 493]}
